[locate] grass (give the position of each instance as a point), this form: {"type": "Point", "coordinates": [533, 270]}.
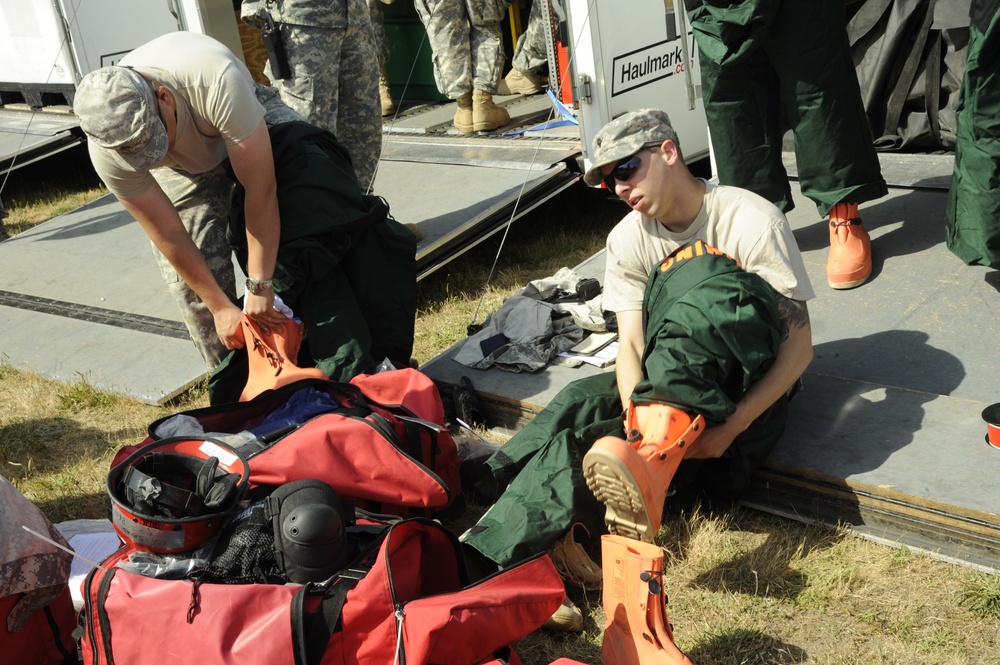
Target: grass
{"type": "Point", "coordinates": [33, 194]}
{"type": "Point", "coordinates": [744, 587]}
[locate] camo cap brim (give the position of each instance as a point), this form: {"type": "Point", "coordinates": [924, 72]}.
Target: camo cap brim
{"type": "Point", "coordinates": [626, 135]}
{"type": "Point", "coordinates": [118, 111]}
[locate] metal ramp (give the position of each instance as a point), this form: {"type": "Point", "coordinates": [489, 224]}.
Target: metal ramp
{"type": "Point", "coordinates": [27, 136]}
{"type": "Point", "coordinates": [887, 436]}
{"type": "Point", "coordinates": [81, 297]}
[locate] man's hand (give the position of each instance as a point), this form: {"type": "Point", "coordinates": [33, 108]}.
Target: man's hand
{"type": "Point", "coordinates": [714, 440]}
{"type": "Point", "coordinates": [261, 309]}
{"type": "Point", "coordinates": [227, 326]}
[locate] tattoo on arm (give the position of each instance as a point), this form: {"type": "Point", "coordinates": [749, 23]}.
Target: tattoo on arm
{"type": "Point", "coordinates": [793, 313]}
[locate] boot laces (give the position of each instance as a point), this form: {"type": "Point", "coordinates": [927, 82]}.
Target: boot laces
{"type": "Point", "coordinates": [652, 577]}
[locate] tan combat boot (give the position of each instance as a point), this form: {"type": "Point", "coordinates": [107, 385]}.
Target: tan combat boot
{"type": "Point", "coordinates": [384, 93]}
{"type": "Point", "coordinates": [463, 116]}
{"type": "Point", "coordinates": [519, 82]}
{"type": "Point", "coordinates": [486, 115]}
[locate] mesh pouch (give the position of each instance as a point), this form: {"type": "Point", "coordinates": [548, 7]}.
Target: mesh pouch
{"type": "Point", "coordinates": [244, 552]}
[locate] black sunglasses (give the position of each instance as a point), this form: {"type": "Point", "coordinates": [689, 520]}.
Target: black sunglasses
{"type": "Point", "coordinates": [622, 171]}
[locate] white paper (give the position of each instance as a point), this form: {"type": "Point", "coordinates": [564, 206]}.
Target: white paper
{"type": "Point", "coordinates": [96, 547]}
{"type": "Point", "coordinates": [601, 358]}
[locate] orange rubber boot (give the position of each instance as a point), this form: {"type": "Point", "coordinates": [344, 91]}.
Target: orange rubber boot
{"type": "Point", "coordinates": [272, 357]}
{"type": "Point", "coordinates": [631, 478]}
{"type": "Point", "coordinates": [850, 260]}
{"type": "Point", "coordinates": [636, 628]}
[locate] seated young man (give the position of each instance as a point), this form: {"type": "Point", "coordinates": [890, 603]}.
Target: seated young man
{"type": "Point", "coordinates": [733, 370]}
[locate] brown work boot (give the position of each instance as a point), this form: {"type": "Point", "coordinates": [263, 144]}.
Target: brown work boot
{"type": "Point", "coordinates": [573, 563]}
{"type": "Point", "coordinates": [384, 93]}
{"type": "Point", "coordinates": [463, 116]}
{"type": "Point", "coordinates": [519, 82]}
{"type": "Point", "coordinates": [631, 478]}
{"type": "Point", "coordinates": [486, 115]}
{"type": "Point", "coordinates": [850, 261]}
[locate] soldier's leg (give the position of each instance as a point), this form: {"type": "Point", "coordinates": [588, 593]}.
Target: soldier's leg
{"type": "Point", "coordinates": [314, 59]}
{"type": "Point", "coordinates": [359, 116]}
{"type": "Point", "coordinates": [808, 47]}
{"type": "Point", "coordinates": [447, 25]}
{"type": "Point", "coordinates": [202, 201]}
{"type": "Point", "coordinates": [486, 42]}
{"type": "Point", "coordinates": [742, 103]}
{"type": "Point", "coordinates": [276, 111]}
{"type": "Point", "coordinates": [973, 217]}
{"type": "Point", "coordinates": [531, 54]}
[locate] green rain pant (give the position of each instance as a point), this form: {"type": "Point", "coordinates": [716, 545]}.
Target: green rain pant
{"type": "Point", "coordinates": [762, 57]}
{"type": "Point", "coordinates": [543, 464]}
{"type": "Point", "coordinates": [973, 214]}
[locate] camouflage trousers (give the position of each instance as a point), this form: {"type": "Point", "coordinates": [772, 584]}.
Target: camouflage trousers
{"type": "Point", "coordinates": [378, 26]}
{"type": "Point", "coordinates": [530, 54]}
{"type": "Point", "coordinates": [466, 43]}
{"type": "Point", "coordinates": [334, 84]}
{"type": "Point", "coordinates": [202, 200]}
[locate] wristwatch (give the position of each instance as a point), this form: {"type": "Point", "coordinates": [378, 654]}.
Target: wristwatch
{"type": "Point", "coordinates": [257, 286]}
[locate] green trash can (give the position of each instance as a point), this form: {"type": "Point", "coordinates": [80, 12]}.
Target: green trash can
{"type": "Point", "coordinates": [410, 65]}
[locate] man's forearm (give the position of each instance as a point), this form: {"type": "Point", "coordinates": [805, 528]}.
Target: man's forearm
{"type": "Point", "coordinates": [794, 355]}
{"type": "Point", "coordinates": [263, 234]}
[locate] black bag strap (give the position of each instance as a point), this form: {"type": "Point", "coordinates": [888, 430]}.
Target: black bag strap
{"type": "Point", "coordinates": [932, 86]}
{"type": "Point", "coordinates": [897, 99]}
{"type": "Point", "coordinates": [312, 634]}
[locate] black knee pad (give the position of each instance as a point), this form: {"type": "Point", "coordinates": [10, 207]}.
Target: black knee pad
{"type": "Point", "coordinates": [310, 522]}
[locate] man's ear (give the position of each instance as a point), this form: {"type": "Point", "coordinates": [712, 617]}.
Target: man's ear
{"type": "Point", "coordinates": [669, 149]}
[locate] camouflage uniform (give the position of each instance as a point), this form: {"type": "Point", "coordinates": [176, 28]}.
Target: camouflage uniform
{"type": "Point", "coordinates": [202, 201]}
{"type": "Point", "coordinates": [530, 54]}
{"type": "Point", "coordinates": [466, 43]}
{"type": "Point", "coordinates": [331, 49]}
{"type": "Point", "coordinates": [378, 26]}
{"type": "Point", "coordinates": [28, 566]}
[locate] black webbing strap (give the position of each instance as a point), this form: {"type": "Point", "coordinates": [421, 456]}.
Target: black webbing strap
{"type": "Point", "coordinates": [897, 99]}
{"type": "Point", "coordinates": [311, 640]}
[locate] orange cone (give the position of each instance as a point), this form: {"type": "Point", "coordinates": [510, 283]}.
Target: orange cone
{"type": "Point", "coordinates": [631, 478]}
{"type": "Point", "coordinates": [636, 628]}
{"type": "Point", "coordinates": [272, 357]}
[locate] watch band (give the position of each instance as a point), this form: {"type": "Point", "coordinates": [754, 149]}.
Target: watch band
{"type": "Point", "coordinates": [256, 286]}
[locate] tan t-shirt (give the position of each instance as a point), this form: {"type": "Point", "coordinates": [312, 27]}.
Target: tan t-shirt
{"type": "Point", "coordinates": [745, 226]}
{"type": "Point", "coordinates": [216, 106]}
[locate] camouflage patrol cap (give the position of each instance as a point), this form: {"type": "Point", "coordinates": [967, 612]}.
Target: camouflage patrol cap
{"type": "Point", "coordinates": [118, 110]}
{"type": "Point", "coordinates": [626, 135]}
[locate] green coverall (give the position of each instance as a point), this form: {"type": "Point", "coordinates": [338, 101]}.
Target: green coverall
{"type": "Point", "coordinates": [974, 199]}
{"type": "Point", "coordinates": [761, 57]}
